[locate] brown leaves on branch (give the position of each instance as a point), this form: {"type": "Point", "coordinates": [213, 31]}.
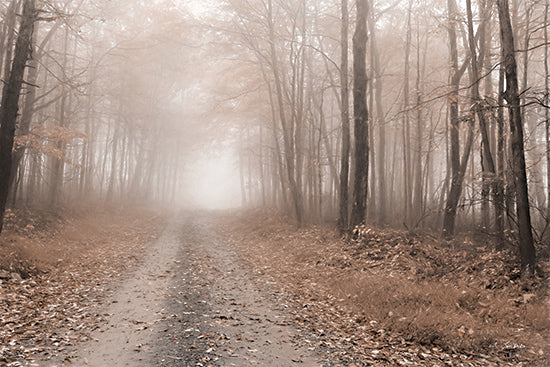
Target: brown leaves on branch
{"type": "Point", "coordinates": [49, 140]}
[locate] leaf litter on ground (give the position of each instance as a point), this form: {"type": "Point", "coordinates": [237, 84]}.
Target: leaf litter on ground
{"type": "Point", "coordinates": [391, 298]}
{"type": "Point", "coordinates": [66, 265]}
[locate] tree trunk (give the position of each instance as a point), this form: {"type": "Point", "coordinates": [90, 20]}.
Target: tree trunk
{"type": "Point", "coordinates": [499, 194]}
{"type": "Point", "coordinates": [261, 165]}
{"type": "Point", "coordinates": [547, 110]}
{"type": "Point", "coordinates": [487, 156]}
{"type": "Point", "coordinates": [287, 132]}
{"type": "Point", "coordinates": [418, 189]}
{"type": "Point", "coordinates": [511, 95]}
{"type": "Point", "coordinates": [28, 111]}
{"type": "Point", "coordinates": [381, 123]}
{"type": "Point", "coordinates": [361, 115]}
{"type": "Point", "coordinates": [11, 17]}
{"type": "Point", "coordinates": [457, 174]}
{"type": "Point", "coordinates": [407, 191]}
{"type": "Point", "coordinates": [10, 100]}
{"type": "Point", "coordinates": [59, 162]}
{"type": "Point", "coordinates": [344, 163]}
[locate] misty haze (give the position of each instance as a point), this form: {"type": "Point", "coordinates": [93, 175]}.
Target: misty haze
{"type": "Point", "coordinates": [279, 183]}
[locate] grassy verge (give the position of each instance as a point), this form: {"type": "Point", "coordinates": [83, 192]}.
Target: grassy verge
{"type": "Point", "coordinates": [60, 267]}
{"type": "Point", "coordinates": [431, 300]}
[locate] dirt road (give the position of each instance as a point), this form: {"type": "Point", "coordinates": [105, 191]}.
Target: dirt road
{"type": "Point", "coordinates": [192, 303]}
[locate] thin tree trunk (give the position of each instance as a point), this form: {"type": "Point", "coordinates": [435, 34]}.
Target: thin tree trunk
{"type": "Point", "coordinates": [114, 151]}
{"type": "Point", "coordinates": [487, 161]}
{"type": "Point", "coordinates": [407, 191]}
{"type": "Point", "coordinates": [499, 194]}
{"type": "Point", "coordinates": [418, 189]}
{"type": "Point", "coordinates": [547, 109]}
{"type": "Point", "coordinates": [344, 163]}
{"type": "Point", "coordinates": [287, 133]}
{"type": "Point", "coordinates": [457, 174]}
{"type": "Point", "coordinates": [261, 165]}
{"type": "Point", "coordinates": [6, 37]}
{"type": "Point", "coordinates": [59, 162]}
{"type": "Point", "coordinates": [381, 123]}
{"type": "Point", "coordinates": [11, 16]}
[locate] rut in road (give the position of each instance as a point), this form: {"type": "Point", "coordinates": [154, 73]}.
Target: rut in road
{"type": "Point", "coordinates": [194, 303]}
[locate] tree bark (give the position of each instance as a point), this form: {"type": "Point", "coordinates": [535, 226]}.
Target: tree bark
{"type": "Point", "coordinates": [287, 134]}
{"type": "Point", "coordinates": [344, 162]}
{"type": "Point", "coordinates": [6, 56]}
{"type": "Point", "coordinates": [381, 123]}
{"type": "Point", "coordinates": [487, 156]}
{"type": "Point", "coordinates": [10, 100]}
{"type": "Point", "coordinates": [499, 194]}
{"type": "Point", "coordinates": [457, 173]}
{"type": "Point", "coordinates": [407, 190]}
{"type": "Point", "coordinates": [27, 113]}
{"type": "Point", "coordinates": [418, 189]}
{"type": "Point", "coordinates": [511, 95]}
{"type": "Point", "coordinates": [547, 110]}
{"type": "Point", "coordinates": [361, 115]}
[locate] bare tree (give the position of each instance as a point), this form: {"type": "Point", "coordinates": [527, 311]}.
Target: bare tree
{"type": "Point", "coordinates": [10, 99]}
{"type": "Point", "coordinates": [361, 115]}
{"type": "Point", "coordinates": [511, 95]}
{"type": "Point", "coordinates": [458, 166]}
{"type": "Point", "coordinates": [344, 163]}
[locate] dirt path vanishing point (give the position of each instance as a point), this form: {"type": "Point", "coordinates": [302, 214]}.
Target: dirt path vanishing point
{"type": "Point", "coordinates": [192, 303]}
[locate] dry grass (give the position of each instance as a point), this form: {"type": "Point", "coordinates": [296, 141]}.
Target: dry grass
{"type": "Point", "coordinates": [458, 297]}
{"type": "Point", "coordinates": [38, 240]}
{"type": "Point", "coordinates": [71, 261]}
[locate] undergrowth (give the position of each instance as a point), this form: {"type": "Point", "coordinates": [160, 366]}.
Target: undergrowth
{"type": "Point", "coordinates": [462, 297]}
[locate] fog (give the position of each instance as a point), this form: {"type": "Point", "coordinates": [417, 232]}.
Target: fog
{"type": "Point", "coordinates": [381, 168]}
{"type": "Point", "coordinates": [212, 182]}
{"type": "Point", "coordinates": [390, 112]}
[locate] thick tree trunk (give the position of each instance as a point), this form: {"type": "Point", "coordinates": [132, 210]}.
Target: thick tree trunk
{"type": "Point", "coordinates": [10, 100]}
{"type": "Point", "coordinates": [361, 115]}
{"type": "Point", "coordinates": [526, 247]}
{"type": "Point", "coordinates": [27, 113]}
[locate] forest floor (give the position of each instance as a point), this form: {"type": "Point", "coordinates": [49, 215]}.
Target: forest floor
{"type": "Point", "coordinates": [58, 268]}
{"type": "Point", "coordinates": [137, 288]}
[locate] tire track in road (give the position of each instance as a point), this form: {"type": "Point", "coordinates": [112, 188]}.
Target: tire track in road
{"type": "Point", "coordinates": [223, 317]}
{"type": "Point", "coordinates": [191, 302]}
